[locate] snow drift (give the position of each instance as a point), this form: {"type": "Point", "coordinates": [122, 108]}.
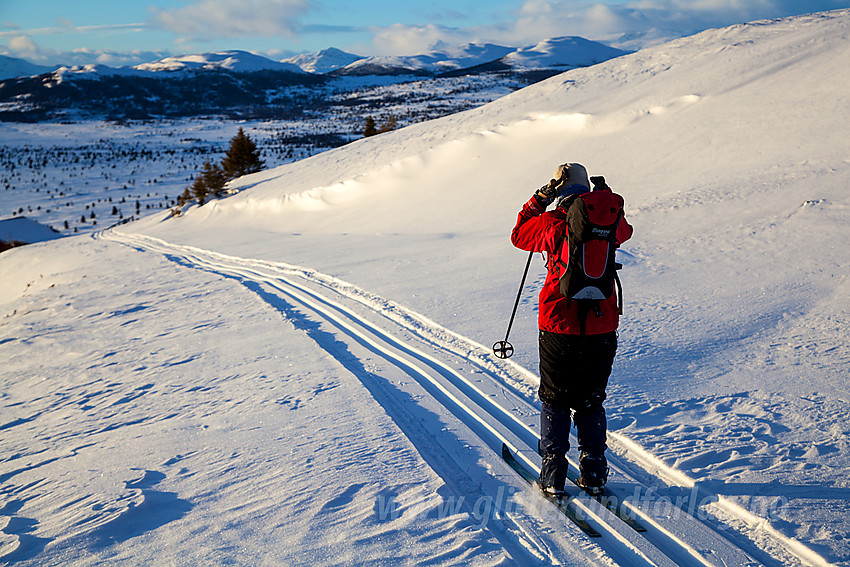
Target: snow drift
{"type": "Point", "coordinates": [728, 146]}
{"type": "Point", "coordinates": [730, 149]}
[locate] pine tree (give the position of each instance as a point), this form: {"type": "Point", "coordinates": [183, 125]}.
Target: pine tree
{"type": "Point", "coordinates": [389, 125]}
{"type": "Point", "coordinates": [199, 190]}
{"type": "Point", "coordinates": [242, 157]}
{"type": "Point", "coordinates": [214, 178]}
{"type": "Point", "coordinates": [184, 198]}
{"type": "Point", "coordinates": [370, 129]}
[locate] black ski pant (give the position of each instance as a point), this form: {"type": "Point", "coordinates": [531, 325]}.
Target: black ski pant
{"type": "Point", "coordinates": [574, 372]}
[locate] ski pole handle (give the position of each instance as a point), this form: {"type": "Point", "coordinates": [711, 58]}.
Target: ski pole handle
{"type": "Point", "coordinates": [504, 349]}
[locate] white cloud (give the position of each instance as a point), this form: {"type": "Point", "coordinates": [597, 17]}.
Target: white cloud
{"type": "Point", "coordinates": [24, 47]}
{"type": "Point", "coordinates": [401, 39]}
{"type": "Point", "coordinates": [535, 7]}
{"type": "Point", "coordinates": [210, 19]}
{"type": "Point", "coordinates": [531, 22]}
{"type": "Point", "coordinates": [535, 20]}
{"type": "Point", "coordinates": [23, 44]}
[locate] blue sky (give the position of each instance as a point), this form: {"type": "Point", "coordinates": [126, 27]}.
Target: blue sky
{"type": "Point", "coordinates": [124, 32]}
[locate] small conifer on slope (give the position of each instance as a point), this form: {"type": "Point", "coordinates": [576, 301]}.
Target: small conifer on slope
{"type": "Point", "coordinates": [242, 157]}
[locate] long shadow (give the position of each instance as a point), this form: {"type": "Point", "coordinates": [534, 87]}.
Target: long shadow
{"type": "Point", "coordinates": [19, 421]}
{"type": "Point", "coordinates": [28, 545]}
{"type": "Point", "coordinates": [396, 402]}
{"type": "Point", "coordinates": [156, 510]}
{"type": "Point", "coordinates": [391, 399]}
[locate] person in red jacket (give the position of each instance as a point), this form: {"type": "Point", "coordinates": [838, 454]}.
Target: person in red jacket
{"type": "Point", "coordinates": [577, 348]}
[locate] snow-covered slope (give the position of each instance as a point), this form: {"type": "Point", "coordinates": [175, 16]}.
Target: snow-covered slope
{"type": "Point", "coordinates": [22, 229]}
{"type": "Point", "coordinates": [324, 61]}
{"type": "Point", "coordinates": [296, 374]}
{"type": "Point", "coordinates": [435, 61]}
{"type": "Point", "coordinates": [11, 67]}
{"type": "Point", "coordinates": [552, 53]}
{"type": "Point", "coordinates": [561, 52]}
{"type": "Point", "coordinates": [233, 60]}
{"type": "Point", "coordinates": [94, 71]}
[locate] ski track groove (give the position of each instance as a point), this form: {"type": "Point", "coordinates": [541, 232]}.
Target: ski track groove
{"type": "Point", "coordinates": [503, 425]}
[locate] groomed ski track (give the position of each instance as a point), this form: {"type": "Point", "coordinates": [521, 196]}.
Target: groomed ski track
{"type": "Point", "coordinates": [466, 404]}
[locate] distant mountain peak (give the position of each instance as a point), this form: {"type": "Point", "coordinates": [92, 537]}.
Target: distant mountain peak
{"type": "Point", "coordinates": [231, 60]}
{"type": "Point", "coordinates": [559, 52]}
{"type": "Point", "coordinates": [12, 67]}
{"type": "Point", "coordinates": [567, 51]}
{"type": "Point", "coordinates": [324, 61]}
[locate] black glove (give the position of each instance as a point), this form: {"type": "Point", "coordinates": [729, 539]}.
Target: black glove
{"type": "Point", "coordinates": [548, 193]}
{"type": "Point", "coordinates": [599, 183]}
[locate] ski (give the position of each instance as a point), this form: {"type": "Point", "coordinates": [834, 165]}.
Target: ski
{"type": "Point", "coordinates": [607, 499]}
{"type": "Point", "coordinates": [563, 504]}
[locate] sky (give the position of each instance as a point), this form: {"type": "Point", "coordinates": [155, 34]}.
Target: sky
{"type": "Point", "coordinates": [129, 32]}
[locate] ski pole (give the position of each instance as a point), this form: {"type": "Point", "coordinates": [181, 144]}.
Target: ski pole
{"type": "Point", "coordinates": [504, 349]}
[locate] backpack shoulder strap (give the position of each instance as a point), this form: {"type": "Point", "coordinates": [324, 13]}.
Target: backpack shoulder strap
{"type": "Point", "coordinates": [554, 262]}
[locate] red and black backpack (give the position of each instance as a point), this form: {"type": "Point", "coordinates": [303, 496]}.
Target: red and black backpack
{"type": "Point", "coordinates": [585, 261]}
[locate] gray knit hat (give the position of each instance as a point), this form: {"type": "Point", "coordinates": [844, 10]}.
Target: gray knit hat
{"type": "Point", "coordinates": [574, 174]}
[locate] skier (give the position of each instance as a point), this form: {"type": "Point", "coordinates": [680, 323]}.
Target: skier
{"type": "Point", "coordinates": [577, 348]}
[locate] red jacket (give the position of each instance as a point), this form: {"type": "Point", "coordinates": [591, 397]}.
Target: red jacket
{"type": "Point", "coordinates": [540, 231]}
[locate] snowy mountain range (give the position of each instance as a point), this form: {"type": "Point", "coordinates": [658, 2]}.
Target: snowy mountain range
{"type": "Point", "coordinates": [233, 61]}
{"type": "Point", "coordinates": [239, 83]}
{"type": "Point", "coordinates": [560, 52]}
{"type": "Point", "coordinates": [433, 62]}
{"type": "Point", "coordinates": [301, 373]}
{"type": "Point", "coordinates": [236, 61]}
{"type": "Point", "coordinates": [324, 61]}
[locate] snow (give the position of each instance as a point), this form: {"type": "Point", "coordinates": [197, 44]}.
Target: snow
{"type": "Point", "coordinates": [232, 60]}
{"type": "Point", "coordinates": [22, 229]}
{"type": "Point", "coordinates": [11, 67]}
{"type": "Point", "coordinates": [324, 61]}
{"type": "Point", "coordinates": [299, 373]}
{"type": "Point", "coordinates": [94, 71]}
{"type": "Point", "coordinates": [437, 60]}
{"type": "Point", "coordinates": [561, 52]}
{"type": "Point", "coordinates": [557, 52]}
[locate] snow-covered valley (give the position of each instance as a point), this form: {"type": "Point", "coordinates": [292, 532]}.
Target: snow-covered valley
{"type": "Point", "coordinates": [300, 374]}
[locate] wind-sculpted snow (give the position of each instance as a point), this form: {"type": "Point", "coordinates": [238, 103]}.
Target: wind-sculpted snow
{"type": "Point", "coordinates": [299, 373]}
{"type": "Point", "coordinates": [128, 427]}
{"type": "Point", "coordinates": [477, 405]}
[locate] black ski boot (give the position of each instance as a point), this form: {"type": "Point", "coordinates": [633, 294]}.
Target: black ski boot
{"type": "Point", "coordinates": [553, 475]}
{"type": "Point", "coordinates": [553, 447]}
{"type": "Point", "coordinates": [594, 472]}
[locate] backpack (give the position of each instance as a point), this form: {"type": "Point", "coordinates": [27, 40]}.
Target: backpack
{"type": "Point", "coordinates": [585, 260]}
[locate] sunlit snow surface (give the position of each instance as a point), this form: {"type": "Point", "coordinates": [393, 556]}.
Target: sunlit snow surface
{"type": "Point", "coordinates": [186, 390]}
